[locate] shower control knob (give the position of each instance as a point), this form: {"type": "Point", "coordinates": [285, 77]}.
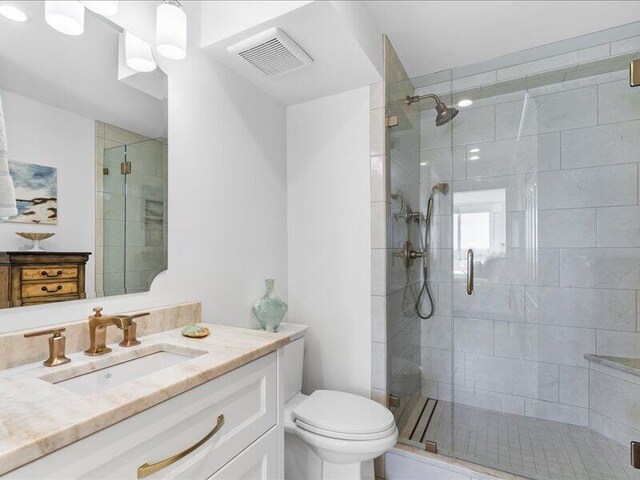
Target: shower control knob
{"type": "Point", "coordinates": [408, 254]}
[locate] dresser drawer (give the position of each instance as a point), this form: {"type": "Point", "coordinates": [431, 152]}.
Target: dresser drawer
{"type": "Point", "coordinates": [247, 397]}
{"type": "Point", "coordinates": [49, 289]}
{"type": "Point", "coordinates": [49, 272]}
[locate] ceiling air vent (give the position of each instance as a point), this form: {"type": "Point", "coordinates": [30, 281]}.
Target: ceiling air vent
{"type": "Point", "coordinates": [272, 52]}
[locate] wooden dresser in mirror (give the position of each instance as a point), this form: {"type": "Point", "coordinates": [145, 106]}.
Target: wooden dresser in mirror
{"type": "Point", "coordinates": [31, 278]}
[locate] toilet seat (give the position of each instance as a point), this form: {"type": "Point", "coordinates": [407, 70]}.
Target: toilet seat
{"type": "Point", "coordinates": [343, 435]}
{"type": "Point", "coordinates": [342, 415]}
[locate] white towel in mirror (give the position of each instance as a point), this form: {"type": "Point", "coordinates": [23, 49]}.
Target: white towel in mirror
{"type": "Point", "coordinates": [7, 193]}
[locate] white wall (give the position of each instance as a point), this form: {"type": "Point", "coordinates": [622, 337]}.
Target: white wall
{"type": "Point", "coordinates": [364, 29]}
{"type": "Point", "coordinates": [45, 135]}
{"type": "Point", "coordinates": [225, 19]}
{"type": "Point", "coordinates": [227, 198]}
{"type": "Point", "coordinates": [329, 238]}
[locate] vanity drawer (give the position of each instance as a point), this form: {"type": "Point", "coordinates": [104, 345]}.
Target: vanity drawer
{"type": "Point", "coordinates": [49, 272]}
{"type": "Point", "coordinates": [48, 289]}
{"type": "Point", "coordinates": [247, 397]}
{"type": "Point", "coordinates": [258, 462]}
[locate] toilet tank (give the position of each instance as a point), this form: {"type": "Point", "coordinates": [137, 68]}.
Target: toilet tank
{"type": "Point", "coordinates": [292, 359]}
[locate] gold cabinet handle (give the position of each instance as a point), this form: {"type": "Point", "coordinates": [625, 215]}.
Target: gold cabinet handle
{"type": "Point", "coordinates": [45, 289]}
{"type": "Point", "coordinates": [46, 274]}
{"type": "Point", "coordinates": [146, 469]}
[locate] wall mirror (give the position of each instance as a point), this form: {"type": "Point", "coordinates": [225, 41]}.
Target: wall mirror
{"type": "Point", "coordinates": [87, 149]}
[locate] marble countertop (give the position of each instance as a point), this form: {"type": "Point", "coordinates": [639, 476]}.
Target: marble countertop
{"type": "Point", "coordinates": [38, 417]}
{"type": "Point", "coordinates": [624, 364]}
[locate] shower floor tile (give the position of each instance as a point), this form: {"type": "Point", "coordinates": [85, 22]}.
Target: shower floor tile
{"type": "Point", "coordinates": [531, 447]}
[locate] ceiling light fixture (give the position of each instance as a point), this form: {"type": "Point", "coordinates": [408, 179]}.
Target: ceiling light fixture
{"type": "Point", "coordinates": [171, 30]}
{"type": "Point", "coordinates": [474, 157]}
{"type": "Point", "coordinates": [474, 150]}
{"type": "Point", "coordinates": [106, 8]}
{"type": "Point", "coordinates": [423, 163]}
{"type": "Point", "coordinates": [13, 13]}
{"type": "Point", "coordinates": [65, 17]}
{"type": "Point", "coordinates": [465, 103]}
{"type": "Point", "coordinates": [138, 54]}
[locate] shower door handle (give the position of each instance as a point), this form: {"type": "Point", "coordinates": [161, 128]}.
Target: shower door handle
{"type": "Point", "coordinates": [470, 272]}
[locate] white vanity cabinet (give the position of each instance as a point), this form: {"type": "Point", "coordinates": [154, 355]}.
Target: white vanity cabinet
{"type": "Point", "coordinates": [246, 445]}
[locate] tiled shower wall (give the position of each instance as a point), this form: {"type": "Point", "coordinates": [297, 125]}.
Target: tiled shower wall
{"type": "Point", "coordinates": [146, 211]}
{"type": "Point", "coordinates": [395, 179]}
{"type": "Point", "coordinates": [146, 214]}
{"type": "Point", "coordinates": [567, 153]}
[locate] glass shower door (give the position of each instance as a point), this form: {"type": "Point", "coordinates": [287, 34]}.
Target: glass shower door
{"type": "Point", "coordinates": [547, 202]}
{"type": "Point", "coordinates": [112, 266]}
{"type": "Point", "coordinates": [535, 187]}
{"type": "Point", "coordinates": [500, 368]}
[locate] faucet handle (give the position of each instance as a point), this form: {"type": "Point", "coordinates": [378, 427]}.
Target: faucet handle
{"type": "Point", "coordinates": [129, 331]}
{"type": "Point", "coordinates": [57, 344]}
{"type": "Point", "coordinates": [53, 331]}
{"type": "Point", "coordinates": [97, 311]}
{"type": "Point", "coordinates": [129, 336]}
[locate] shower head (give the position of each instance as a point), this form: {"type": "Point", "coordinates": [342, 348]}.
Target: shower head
{"type": "Point", "coordinates": [441, 187]}
{"type": "Point", "coordinates": [445, 114]}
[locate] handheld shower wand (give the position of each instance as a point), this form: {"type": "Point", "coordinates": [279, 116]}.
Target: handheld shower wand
{"type": "Point", "coordinates": [441, 188]}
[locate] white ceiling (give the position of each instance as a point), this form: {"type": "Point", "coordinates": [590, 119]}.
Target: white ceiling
{"type": "Point", "coordinates": [430, 36]}
{"type": "Point", "coordinates": [78, 74]}
{"type": "Point", "coordinates": [340, 63]}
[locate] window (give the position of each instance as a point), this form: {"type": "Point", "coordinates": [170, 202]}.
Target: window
{"type": "Point", "coordinates": [479, 222]}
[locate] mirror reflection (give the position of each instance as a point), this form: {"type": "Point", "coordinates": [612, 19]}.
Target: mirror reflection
{"type": "Point", "coordinates": [84, 141]}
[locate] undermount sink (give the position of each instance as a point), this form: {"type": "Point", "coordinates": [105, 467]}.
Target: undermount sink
{"type": "Point", "coordinates": [126, 371]}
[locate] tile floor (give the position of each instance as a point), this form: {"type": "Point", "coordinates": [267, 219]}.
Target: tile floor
{"type": "Point", "coordinates": [531, 447]}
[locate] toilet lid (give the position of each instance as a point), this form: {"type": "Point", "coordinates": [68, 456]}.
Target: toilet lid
{"type": "Point", "coordinates": [346, 436]}
{"type": "Point", "coordinates": [342, 412]}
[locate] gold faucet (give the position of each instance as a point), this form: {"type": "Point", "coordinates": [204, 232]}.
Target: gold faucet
{"type": "Point", "coordinates": [98, 331]}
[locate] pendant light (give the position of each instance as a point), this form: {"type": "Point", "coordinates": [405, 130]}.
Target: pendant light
{"type": "Point", "coordinates": [65, 17]}
{"type": "Point", "coordinates": [138, 54]}
{"type": "Point", "coordinates": [106, 8]}
{"type": "Point", "coordinates": [13, 13]}
{"type": "Point", "coordinates": [171, 30]}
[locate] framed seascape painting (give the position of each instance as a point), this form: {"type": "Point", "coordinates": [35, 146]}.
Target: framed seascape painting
{"type": "Point", "coordinates": [36, 189]}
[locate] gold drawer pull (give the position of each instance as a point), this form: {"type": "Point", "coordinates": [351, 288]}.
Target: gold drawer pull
{"type": "Point", "coordinates": [45, 289]}
{"type": "Point", "coordinates": [146, 469]}
{"type": "Point", "coordinates": [46, 274]}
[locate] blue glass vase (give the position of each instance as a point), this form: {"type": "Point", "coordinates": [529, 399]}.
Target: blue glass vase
{"type": "Point", "coordinates": [270, 309]}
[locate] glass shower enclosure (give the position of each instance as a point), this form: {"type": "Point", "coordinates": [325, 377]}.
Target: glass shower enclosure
{"type": "Point", "coordinates": [533, 370]}
{"type": "Point", "coordinates": [134, 219]}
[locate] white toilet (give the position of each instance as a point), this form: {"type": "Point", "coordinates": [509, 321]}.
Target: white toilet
{"type": "Point", "coordinates": [329, 434]}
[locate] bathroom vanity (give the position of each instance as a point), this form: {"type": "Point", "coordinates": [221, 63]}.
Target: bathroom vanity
{"type": "Point", "coordinates": [171, 407]}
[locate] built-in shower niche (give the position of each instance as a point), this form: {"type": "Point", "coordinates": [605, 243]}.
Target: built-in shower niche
{"type": "Point", "coordinates": [543, 176]}
{"type": "Point", "coordinates": [154, 223]}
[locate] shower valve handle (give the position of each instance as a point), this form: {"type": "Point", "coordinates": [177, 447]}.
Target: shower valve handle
{"type": "Point", "coordinates": [408, 254]}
